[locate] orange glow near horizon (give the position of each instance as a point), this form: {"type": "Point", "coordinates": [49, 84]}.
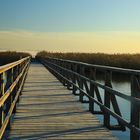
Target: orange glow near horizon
{"type": "Point", "coordinates": [105, 42]}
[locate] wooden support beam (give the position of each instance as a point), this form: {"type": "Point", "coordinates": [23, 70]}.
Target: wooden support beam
{"type": "Point", "coordinates": [135, 109]}
{"type": "Point", "coordinates": [107, 98]}
{"type": "Point", "coordinates": [81, 83]}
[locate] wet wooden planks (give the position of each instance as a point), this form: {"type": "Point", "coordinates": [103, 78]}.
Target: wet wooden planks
{"type": "Point", "coordinates": [47, 110]}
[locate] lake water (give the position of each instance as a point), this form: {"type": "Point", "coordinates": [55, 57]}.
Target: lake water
{"type": "Point", "coordinates": [124, 105]}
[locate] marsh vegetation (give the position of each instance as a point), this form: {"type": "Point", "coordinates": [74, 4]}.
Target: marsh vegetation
{"type": "Point", "coordinates": [8, 57]}
{"type": "Point", "coordinates": [129, 61]}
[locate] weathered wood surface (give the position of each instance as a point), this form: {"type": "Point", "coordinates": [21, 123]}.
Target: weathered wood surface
{"type": "Point", "coordinates": [47, 110]}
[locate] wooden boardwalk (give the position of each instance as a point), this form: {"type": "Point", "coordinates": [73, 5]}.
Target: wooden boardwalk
{"type": "Point", "coordinates": [47, 110]}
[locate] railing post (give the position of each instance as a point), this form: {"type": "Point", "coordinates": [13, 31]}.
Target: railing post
{"type": "Point", "coordinates": [10, 98]}
{"type": "Point", "coordinates": [64, 74]}
{"type": "Point", "coordinates": [92, 88]}
{"type": "Point", "coordinates": [60, 71]}
{"type": "Point", "coordinates": [107, 98]}
{"type": "Point", "coordinates": [81, 83]}
{"type": "Point", "coordinates": [15, 89]}
{"type": "Point", "coordinates": [57, 68]}
{"type": "Point", "coordinates": [69, 75]}
{"type": "Point", "coordinates": [25, 72]}
{"type": "Point", "coordinates": [135, 109]}
{"type": "Point", "coordinates": [1, 94]}
{"type": "Point", "coordinates": [20, 70]}
{"type": "Point", "coordinates": [74, 79]}
{"type": "Point", "coordinates": [18, 84]}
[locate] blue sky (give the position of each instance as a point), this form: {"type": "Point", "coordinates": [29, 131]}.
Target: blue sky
{"type": "Point", "coordinates": [109, 26]}
{"type": "Point", "coordinates": [70, 15]}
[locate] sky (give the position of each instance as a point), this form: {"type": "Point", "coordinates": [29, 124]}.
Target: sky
{"type": "Point", "coordinates": [109, 26]}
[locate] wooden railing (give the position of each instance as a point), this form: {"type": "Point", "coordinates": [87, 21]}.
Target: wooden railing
{"type": "Point", "coordinates": [74, 75]}
{"type": "Point", "coordinates": [12, 77]}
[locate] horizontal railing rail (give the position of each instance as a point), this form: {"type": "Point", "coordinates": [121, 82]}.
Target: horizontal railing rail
{"type": "Point", "coordinates": [99, 67]}
{"type": "Point", "coordinates": [12, 77]}
{"type": "Point", "coordinates": [73, 75]}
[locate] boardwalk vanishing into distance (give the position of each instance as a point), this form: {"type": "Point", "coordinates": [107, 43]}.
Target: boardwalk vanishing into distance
{"type": "Point", "coordinates": [38, 101]}
{"type": "Point", "coordinates": [48, 110]}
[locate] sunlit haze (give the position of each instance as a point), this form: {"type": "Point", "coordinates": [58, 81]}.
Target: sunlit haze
{"type": "Point", "coordinates": [106, 26]}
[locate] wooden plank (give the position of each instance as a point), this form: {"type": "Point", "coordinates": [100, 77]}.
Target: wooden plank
{"type": "Point", "coordinates": [47, 110]}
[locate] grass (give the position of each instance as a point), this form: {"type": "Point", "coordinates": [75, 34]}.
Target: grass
{"type": "Point", "coordinates": [129, 61]}
{"type": "Point", "coordinates": [8, 57]}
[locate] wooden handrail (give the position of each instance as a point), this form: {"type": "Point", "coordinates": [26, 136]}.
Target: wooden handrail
{"type": "Point", "coordinates": [7, 93]}
{"type": "Point", "coordinates": [99, 67]}
{"type": "Point", "coordinates": [13, 64]}
{"type": "Point", "coordinates": [72, 74]}
{"type": "Point", "coordinates": [10, 90]}
{"type": "Point", "coordinates": [117, 93]}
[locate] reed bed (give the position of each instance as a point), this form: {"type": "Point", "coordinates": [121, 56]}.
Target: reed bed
{"type": "Point", "coordinates": [129, 61]}
{"type": "Point", "coordinates": [8, 57]}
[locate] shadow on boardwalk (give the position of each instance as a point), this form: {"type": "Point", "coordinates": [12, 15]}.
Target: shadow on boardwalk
{"type": "Point", "coordinates": [47, 110]}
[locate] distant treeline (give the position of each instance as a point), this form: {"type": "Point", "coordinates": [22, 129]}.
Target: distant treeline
{"type": "Point", "coordinates": [8, 57]}
{"type": "Point", "coordinates": [129, 61]}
